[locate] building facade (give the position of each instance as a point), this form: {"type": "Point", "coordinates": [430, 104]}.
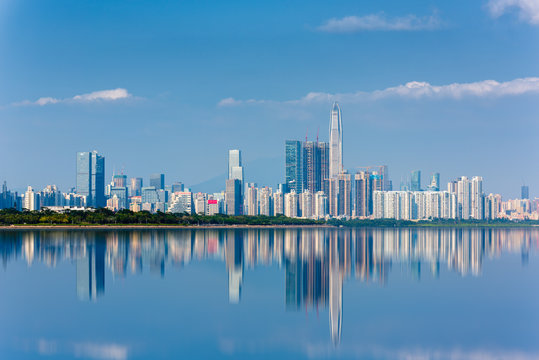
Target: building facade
{"type": "Point", "coordinates": [91, 178]}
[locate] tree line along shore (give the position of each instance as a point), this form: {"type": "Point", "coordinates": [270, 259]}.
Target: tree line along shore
{"type": "Point", "coordinates": [105, 217]}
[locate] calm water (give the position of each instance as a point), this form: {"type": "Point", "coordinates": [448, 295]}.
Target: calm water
{"type": "Point", "coordinates": [380, 294]}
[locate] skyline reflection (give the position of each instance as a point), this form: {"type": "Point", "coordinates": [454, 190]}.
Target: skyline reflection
{"type": "Point", "coordinates": [316, 262]}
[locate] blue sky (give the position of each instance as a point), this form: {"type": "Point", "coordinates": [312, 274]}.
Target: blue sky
{"type": "Point", "coordinates": [161, 86]}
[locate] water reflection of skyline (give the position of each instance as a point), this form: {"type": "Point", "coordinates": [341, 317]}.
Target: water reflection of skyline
{"type": "Point", "coordinates": [316, 262]}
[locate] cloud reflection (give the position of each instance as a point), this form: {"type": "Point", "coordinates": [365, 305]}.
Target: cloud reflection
{"type": "Point", "coordinates": [90, 350]}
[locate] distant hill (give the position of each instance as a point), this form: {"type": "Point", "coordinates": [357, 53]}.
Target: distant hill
{"type": "Point", "coordinates": [263, 172]}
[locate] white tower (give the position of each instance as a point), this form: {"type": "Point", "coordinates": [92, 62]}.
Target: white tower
{"type": "Point", "coordinates": [335, 142]}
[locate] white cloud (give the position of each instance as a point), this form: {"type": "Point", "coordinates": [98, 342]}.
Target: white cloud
{"type": "Point", "coordinates": [380, 22]}
{"type": "Point", "coordinates": [230, 101]}
{"type": "Point", "coordinates": [528, 10]}
{"type": "Point", "coordinates": [114, 94]}
{"type": "Point", "coordinates": [46, 100]}
{"type": "Point", "coordinates": [103, 95]}
{"type": "Point", "coordinates": [414, 90]}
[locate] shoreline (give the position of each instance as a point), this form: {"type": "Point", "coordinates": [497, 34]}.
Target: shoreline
{"type": "Point", "coordinates": [240, 226]}
{"type": "Point", "coordinates": [156, 227]}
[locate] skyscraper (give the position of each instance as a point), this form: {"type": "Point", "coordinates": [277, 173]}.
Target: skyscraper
{"type": "Point", "coordinates": [251, 200]}
{"type": "Point", "coordinates": [233, 197]}
{"type": "Point", "coordinates": [176, 187]}
{"type": "Point", "coordinates": [415, 181]}
{"type": "Point", "coordinates": [524, 192]}
{"type": "Point", "coordinates": [464, 201]}
{"type": "Point", "coordinates": [340, 195]}
{"type": "Point", "coordinates": [119, 180]}
{"type": "Point", "coordinates": [91, 178]}
{"type": "Point", "coordinates": [293, 166]}
{"type": "Point", "coordinates": [31, 200]}
{"type": "Point", "coordinates": [306, 165]}
{"type": "Point", "coordinates": [315, 165]}
{"type": "Point", "coordinates": [157, 181]}
{"type": "Point", "coordinates": [345, 194]}
{"type": "Point", "coordinates": [235, 168]}
{"type": "Point", "coordinates": [434, 182]}
{"type": "Point", "coordinates": [136, 186]}
{"type": "Point", "coordinates": [363, 198]}
{"type": "Point", "coordinates": [335, 142]}
{"type": "Point", "coordinates": [477, 202]}
{"type": "Point", "coordinates": [235, 172]}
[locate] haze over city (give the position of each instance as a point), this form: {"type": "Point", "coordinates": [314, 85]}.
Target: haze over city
{"type": "Point", "coordinates": [169, 88]}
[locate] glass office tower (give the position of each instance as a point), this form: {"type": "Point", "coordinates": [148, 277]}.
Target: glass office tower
{"type": "Point", "coordinates": [157, 181]}
{"type": "Point", "coordinates": [91, 178]}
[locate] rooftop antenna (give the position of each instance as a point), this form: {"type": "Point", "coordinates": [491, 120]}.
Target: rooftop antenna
{"type": "Point", "coordinates": [306, 133]}
{"type": "Point", "coordinates": [317, 131]}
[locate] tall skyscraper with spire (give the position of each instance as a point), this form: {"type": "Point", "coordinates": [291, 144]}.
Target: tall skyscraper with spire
{"type": "Point", "coordinates": [335, 142]}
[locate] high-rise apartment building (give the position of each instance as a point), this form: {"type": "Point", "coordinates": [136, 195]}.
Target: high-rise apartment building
{"type": "Point", "coordinates": [251, 200]}
{"type": "Point", "coordinates": [416, 205]}
{"type": "Point", "coordinates": [335, 142]}
{"type": "Point", "coordinates": [340, 195]}
{"type": "Point", "coordinates": [345, 194]}
{"type": "Point", "coordinates": [477, 198]}
{"type": "Point", "coordinates": [265, 201]}
{"type": "Point", "coordinates": [31, 200]}
{"type": "Point", "coordinates": [306, 204]}
{"type": "Point", "coordinates": [278, 203]}
{"type": "Point", "coordinates": [320, 206]}
{"type": "Point", "coordinates": [181, 202]}
{"type": "Point", "coordinates": [363, 197]}
{"type": "Point", "coordinates": [91, 178]}
{"type": "Point", "coordinates": [464, 200]}
{"type": "Point", "coordinates": [470, 197]}
{"type": "Point", "coordinates": [157, 181]}
{"type": "Point", "coordinates": [291, 204]}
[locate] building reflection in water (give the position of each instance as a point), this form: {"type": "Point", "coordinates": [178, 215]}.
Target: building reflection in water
{"type": "Point", "coordinates": [91, 271]}
{"type": "Point", "coordinates": [316, 262]}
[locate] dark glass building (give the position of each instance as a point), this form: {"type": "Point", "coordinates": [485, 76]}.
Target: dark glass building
{"type": "Point", "coordinates": [91, 178]}
{"type": "Point", "coordinates": [415, 181]}
{"type": "Point", "coordinates": [306, 165]}
{"type": "Point", "coordinates": [524, 192]}
{"type": "Point", "coordinates": [234, 201]}
{"type": "Point", "coordinates": [136, 186]}
{"type": "Point", "coordinates": [157, 181]}
{"type": "Point", "coordinates": [293, 166]}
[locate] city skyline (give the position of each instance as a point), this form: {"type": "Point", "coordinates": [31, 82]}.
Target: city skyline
{"type": "Point", "coordinates": [316, 186]}
{"type": "Point", "coordinates": [280, 179]}
{"type": "Point", "coordinates": [462, 108]}
{"type": "Point", "coordinates": [314, 171]}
